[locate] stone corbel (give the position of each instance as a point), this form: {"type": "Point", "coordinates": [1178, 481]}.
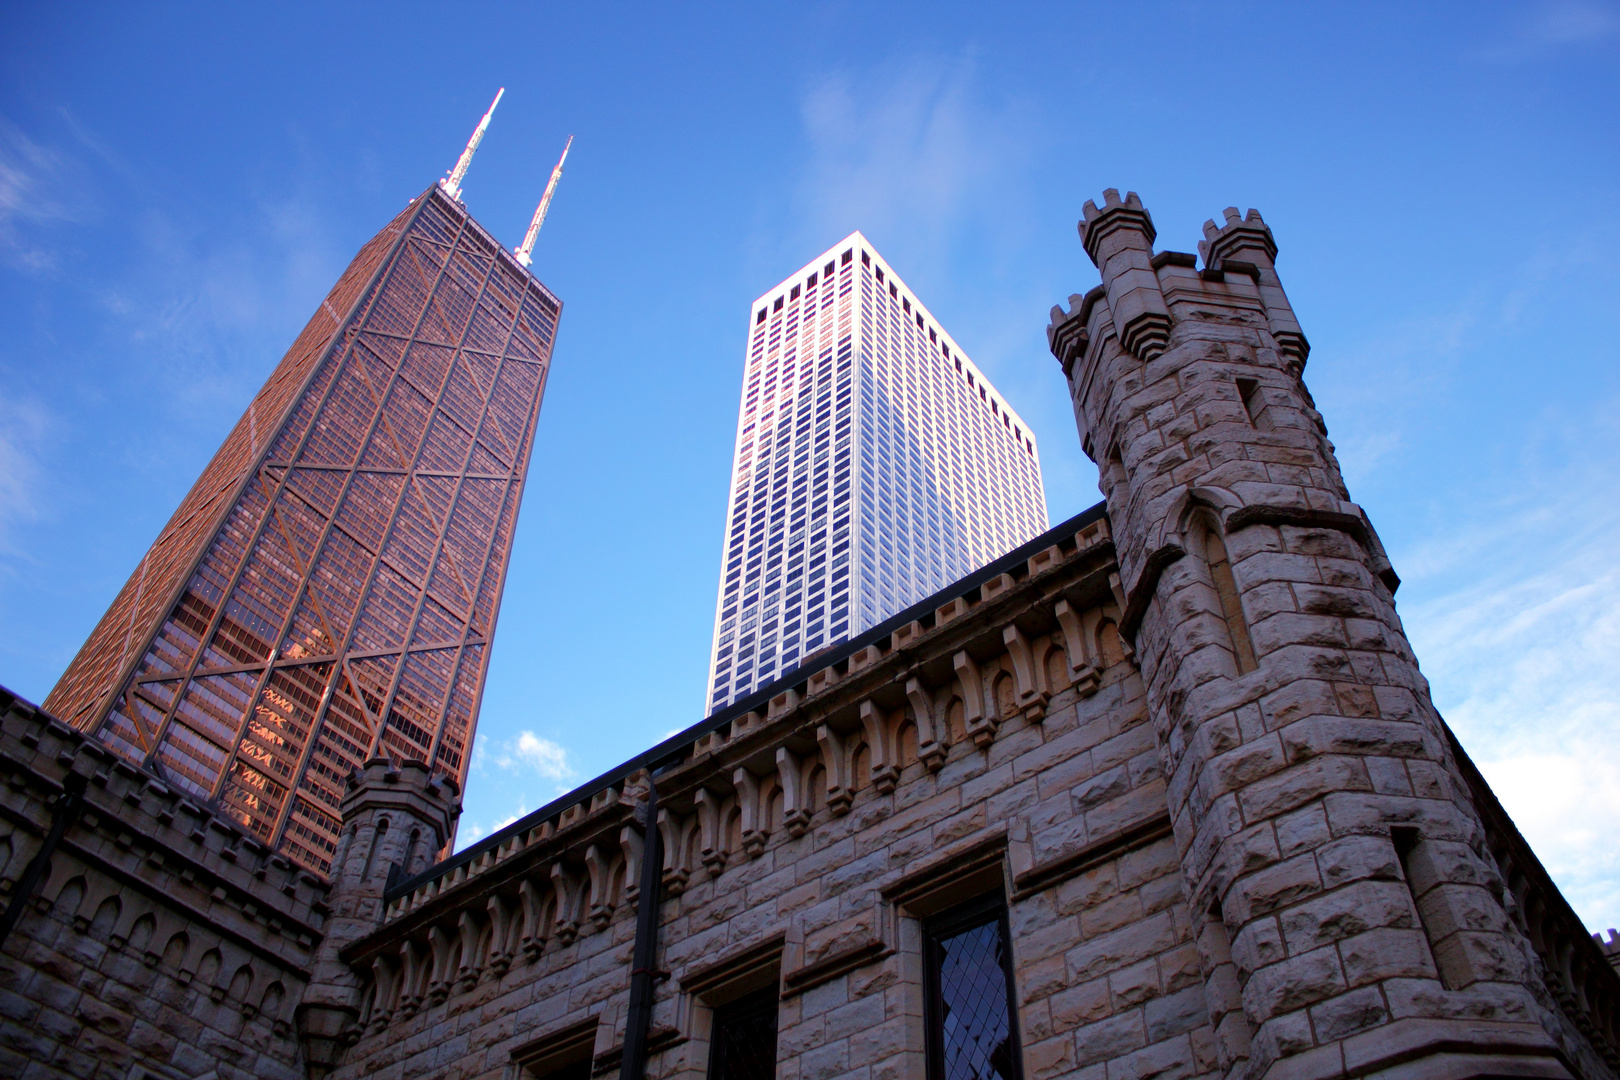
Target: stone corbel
{"type": "Point", "coordinates": [713, 847]}
{"type": "Point", "coordinates": [1031, 698]}
{"type": "Point", "coordinates": [410, 979]}
{"type": "Point", "coordinates": [676, 872]}
{"type": "Point", "coordinates": [566, 889]}
{"type": "Point", "coordinates": [468, 967]}
{"type": "Point", "coordinates": [1082, 664]}
{"type": "Point", "coordinates": [500, 936]}
{"type": "Point", "coordinates": [840, 792]}
{"type": "Point", "coordinates": [384, 980]}
{"type": "Point", "coordinates": [439, 945]}
{"type": "Point", "coordinates": [535, 931]}
{"type": "Point", "coordinates": [753, 836]}
{"type": "Point", "coordinates": [980, 728]}
{"type": "Point", "coordinates": [631, 847]}
{"type": "Point", "coordinates": [795, 805]}
{"type": "Point", "coordinates": [931, 742]}
{"type": "Point", "coordinates": [599, 868]}
{"type": "Point", "coordinates": [885, 776]}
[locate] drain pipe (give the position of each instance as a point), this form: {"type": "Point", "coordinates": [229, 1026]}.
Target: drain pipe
{"type": "Point", "coordinates": [64, 811]}
{"type": "Point", "coordinates": [642, 972]}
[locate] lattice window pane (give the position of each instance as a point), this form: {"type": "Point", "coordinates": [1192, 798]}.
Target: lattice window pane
{"type": "Point", "coordinates": [972, 1031]}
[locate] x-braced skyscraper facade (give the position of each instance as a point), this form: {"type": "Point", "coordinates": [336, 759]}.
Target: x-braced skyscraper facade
{"type": "Point", "coordinates": [875, 464]}
{"type": "Point", "coordinates": [328, 589]}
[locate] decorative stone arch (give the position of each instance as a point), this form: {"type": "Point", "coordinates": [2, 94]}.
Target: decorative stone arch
{"type": "Point", "coordinates": [1004, 693]}
{"type": "Point", "coordinates": [955, 713]}
{"type": "Point", "coordinates": [105, 919]}
{"type": "Point", "coordinates": [240, 989]}
{"type": "Point", "coordinates": [907, 739]}
{"type": "Point", "coordinates": [860, 766]}
{"type": "Point", "coordinates": [69, 897]}
{"type": "Point", "coordinates": [209, 966]}
{"type": "Point", "coordinates": [139, 935]}
{"type": "Point", "coordinates": [175, 952]}
{"type": "Point", "coordinates": [1174, 524]}
{"type": "Point", "coordinates": [1109, 641]}
{"type": "Point", "coordinates": [1052, 665]}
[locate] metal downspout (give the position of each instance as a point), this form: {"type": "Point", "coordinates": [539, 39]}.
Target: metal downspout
{"type": "Point", "coordinates": [64, 811]}
{"type": "Point", "coordinates": [642, 971]}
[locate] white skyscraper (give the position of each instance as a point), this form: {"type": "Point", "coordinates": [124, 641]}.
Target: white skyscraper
{"type": "Point", "coordinates": [874, 466]}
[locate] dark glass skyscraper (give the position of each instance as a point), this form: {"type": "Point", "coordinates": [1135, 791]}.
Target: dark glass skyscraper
{"type": "Point", "coordinates": [328, 589]}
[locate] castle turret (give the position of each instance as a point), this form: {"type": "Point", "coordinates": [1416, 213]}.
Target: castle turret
{"type": "Point", "coordinates": [395, 821]}
{"type": "Point", "coordinates": [1351, 916]}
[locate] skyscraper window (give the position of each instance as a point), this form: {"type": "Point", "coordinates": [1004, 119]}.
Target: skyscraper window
{"type": "Point", "coordinates": [932, 487]}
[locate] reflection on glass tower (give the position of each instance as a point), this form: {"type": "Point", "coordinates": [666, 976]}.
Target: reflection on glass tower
{"type": "Point", "coordinates": [874, 465]}
{"type": "Point", "coordinates": [328, 590]}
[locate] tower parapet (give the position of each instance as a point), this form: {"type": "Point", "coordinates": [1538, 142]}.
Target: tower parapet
{"type": "Point", "coordinates": [1354, 918]}
{"type": "Point", "coordinates": [395, 821]}
{"type": "Point", "coordinates": [1119, 239]}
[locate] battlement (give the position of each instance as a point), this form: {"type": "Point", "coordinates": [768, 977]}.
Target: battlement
{"type": "Point", "coordinates": [1611, 947]}
{"type": "Point", "coordinates": [1115, 214]}
{"type": "Point", "coordinates": [1220, 242]}
{"type": "Point", "coordinates": [414, 777]}
{"type": "Point", "coordinates": [1145, 294]}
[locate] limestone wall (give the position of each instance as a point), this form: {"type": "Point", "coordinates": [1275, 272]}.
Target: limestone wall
{"type": "Point", "coordinates": [1004, 744]}
{"type": "Point", "coordinates": [163, 942]}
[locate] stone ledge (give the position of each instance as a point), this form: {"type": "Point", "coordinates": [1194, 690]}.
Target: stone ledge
{"type": "Point", "coordinates": [829, 968]}
{"type": "Point", "coordinates": [1043, 876]}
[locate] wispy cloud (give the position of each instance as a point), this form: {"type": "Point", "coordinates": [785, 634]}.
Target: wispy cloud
{"type": "Point", "coordinates": [472, 832]}
{"type": "Point", "coordinates": [535, 754]}
{"type": "Point", "coordinates": [522, 759]}
{"type": "Point", "coordinates": [908, 151]}
{"type": "Point", "coordinates": [40, 185]}
{"type": "Point", "coordinates": [1549, 27]}
{"type": "Point", "coordinates": [22, 428]}
{"type": "Point", "coordinates": [1522, 660]}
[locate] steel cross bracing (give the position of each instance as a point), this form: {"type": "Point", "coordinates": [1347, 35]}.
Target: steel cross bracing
{"type": "Point", "coordinates": [341, 605]}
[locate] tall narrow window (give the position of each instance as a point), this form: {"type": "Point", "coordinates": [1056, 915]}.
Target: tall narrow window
{"type": "Point", "coordinates": [1231, 606]}
{"type": "Point", "coordinates": [972, 1032]}
{"type": "Point", "coordinates": [1254, 404]}
{"type": "Point", "coordinates": [743, 1045]}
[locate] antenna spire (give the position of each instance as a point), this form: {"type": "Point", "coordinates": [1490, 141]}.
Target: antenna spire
{"type": "Point", "coordinates": [527, 246]}
{"type": "Point", "coordinates": [452, 183]}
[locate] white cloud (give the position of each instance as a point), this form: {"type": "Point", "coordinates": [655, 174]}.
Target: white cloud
{"type": "Point", "coordinates": [907, 152]}
{"type": "Point", "coordinates": [1521, 650]}
{"type": "Point", "coordinates": [1551, 26]}
{"type": "Point", "coordinates": [40, 185]}
{"type": "Point", "coordinates": [22, 428]}
{"type": "Point", "coordinates": [472, 832]}
{"type": "Point", "coordinates": [537, 754]}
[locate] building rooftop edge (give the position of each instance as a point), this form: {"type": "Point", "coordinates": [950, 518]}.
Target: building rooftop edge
{"type": "Point", "coordinates": [957, 351]}
{"type": "Point", "coordinates": [510, 258]}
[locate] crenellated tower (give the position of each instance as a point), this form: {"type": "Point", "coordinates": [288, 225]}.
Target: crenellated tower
{"type": "Point", "coordinates": [395, 821]}
{"type": "Point", "coordinates": [1351, 915]}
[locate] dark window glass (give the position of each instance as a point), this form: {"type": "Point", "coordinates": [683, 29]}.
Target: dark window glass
{"type": "Point", "coordinates": [577, 1070]}
{"type": "Point", "coordinates": [743, 1045]}
{"type": "Point", "coordinates": [972, 1033]}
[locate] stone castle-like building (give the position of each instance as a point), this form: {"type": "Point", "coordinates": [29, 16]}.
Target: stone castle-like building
{"type": "Point", "coordinates": [1160, 795]}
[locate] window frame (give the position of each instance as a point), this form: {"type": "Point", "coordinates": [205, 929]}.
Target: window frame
{"type": "Point", "coordinates": [991, 907]}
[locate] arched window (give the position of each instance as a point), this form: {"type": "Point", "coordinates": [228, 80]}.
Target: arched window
{"type": "Point", "coordinates": [1220, 570]}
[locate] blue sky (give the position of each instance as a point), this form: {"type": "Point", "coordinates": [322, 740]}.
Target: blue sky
{"type": "Point", "coordinates": [180, 186]}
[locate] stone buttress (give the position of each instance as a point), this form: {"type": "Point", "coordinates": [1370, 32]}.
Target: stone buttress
{"type": "Point", "coordinates": [1353, 918]}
